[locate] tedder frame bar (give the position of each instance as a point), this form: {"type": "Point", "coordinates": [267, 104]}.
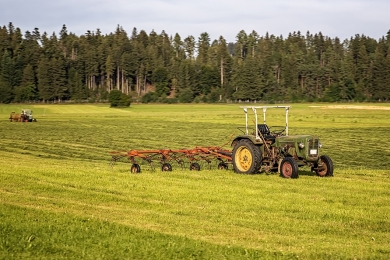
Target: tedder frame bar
{"type": "Point", "coordinates": [181, 156]}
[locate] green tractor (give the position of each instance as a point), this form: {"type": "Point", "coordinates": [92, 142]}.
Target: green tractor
{"type": "Point", "coordinates": [261, 150]}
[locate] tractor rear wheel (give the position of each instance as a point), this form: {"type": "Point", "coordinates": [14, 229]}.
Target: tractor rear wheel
{"type": "Point", "coordinates": [135, 168]}
{"type": "Point", "coordinates": [194, 166]}
{"type": "Point", "coordinates": [166, 167]}
{"type": "Point", "coordinates": [289, 168]}
{"type": "Point", "coordinates": [324, 167]}
{"type": "Point", "coordinates": [246, 157]}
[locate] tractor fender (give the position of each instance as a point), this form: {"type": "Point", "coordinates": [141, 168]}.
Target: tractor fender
{"type": "Point", "coordinates": [248, 137]}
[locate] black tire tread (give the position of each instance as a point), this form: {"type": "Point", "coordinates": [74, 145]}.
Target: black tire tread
{"type": "Point", "coordinates": [329, 164]}
{"type": "Point", "coordinates": [256, 155]}
{"type": "Point", "coordinates": [294, 166]}
{"type": "Point", "coordinates": [166, 167]}
{"type": "Point", "coordinates": [195, 166]}
{"type": "Point", "coordinates": [136, 167]}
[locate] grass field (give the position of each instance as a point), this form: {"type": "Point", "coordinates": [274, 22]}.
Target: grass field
{"type": "Point", "coordinates": [59, 198]}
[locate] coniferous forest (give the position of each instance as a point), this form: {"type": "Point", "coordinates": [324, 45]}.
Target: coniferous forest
{"type": "Point", "coordinates": [156, 67]}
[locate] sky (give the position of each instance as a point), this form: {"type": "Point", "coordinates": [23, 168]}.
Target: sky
{"type": "Point", "coordinates": [334, 18]}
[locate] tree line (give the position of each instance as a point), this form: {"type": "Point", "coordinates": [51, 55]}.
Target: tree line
{"type": "Point", "coordinates": [156, 67]}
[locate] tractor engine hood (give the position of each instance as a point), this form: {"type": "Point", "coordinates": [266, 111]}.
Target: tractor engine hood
{"type": "Point", "coordinates": [299, 146]}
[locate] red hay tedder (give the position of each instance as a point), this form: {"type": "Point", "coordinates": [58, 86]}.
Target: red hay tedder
{"type": "Point", "coordinates": [182, 157]}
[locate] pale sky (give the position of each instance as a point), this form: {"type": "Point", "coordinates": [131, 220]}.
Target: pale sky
{"type": "Point", "coordinates": [334, 18]}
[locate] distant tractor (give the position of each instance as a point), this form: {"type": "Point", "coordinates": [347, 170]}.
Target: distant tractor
{"type": "Point", "coordinates": [24, 116]}
{"type": "Point", "coordinates": [260, 149]}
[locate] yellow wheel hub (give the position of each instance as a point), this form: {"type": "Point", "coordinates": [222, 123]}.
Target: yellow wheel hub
{"type": "Point", "coordinates": [243, 159]}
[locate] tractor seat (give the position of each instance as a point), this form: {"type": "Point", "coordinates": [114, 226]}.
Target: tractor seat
{"type": "Point", "coordinates": [264, 130]}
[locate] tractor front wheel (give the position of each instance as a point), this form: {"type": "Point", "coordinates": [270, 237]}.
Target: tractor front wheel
{"type": "Point", "coordinates": [324, 167]}
{"type": "Point", "coordinates": [246, 157]}
{"type": "Point", "coordinates": [289, 168]}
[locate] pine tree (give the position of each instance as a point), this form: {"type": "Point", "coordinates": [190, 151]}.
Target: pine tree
{"type": "Point", "coordinates": [189, 47]}
{"type": "Point", "coordinates": [58, 79]}
{"type": "Point", "coordinates": [241, 45]}
{"type": "Point", "coordinates": [76, 87]}
{"type": "Point", "coordinates": [161, 80]}
{"type": "Point", "coordinates": [27, 90]}
{"type": "Point", "coordinates": [380, 82]}
{"type": "Point", "coordinates": [203, 49]}
{"type": "Point", "coordinates": [248, 81]}
{"type": "Point", "coordinates": [224, 65]}
{"type": "Point", "coordinates": [7, 78]}
{"type": "Point", "coordinates": [44, 83]}
{"type": "Point", "coordinates": [253, 39]}
{"type": "Point", "coordinates": [177, 45]}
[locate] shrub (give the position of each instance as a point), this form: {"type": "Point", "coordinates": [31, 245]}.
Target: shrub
{"type": "Point", "coordinates": [186, 96]}
{"type": "Point", "coordinates": [149, 97]}
{"type": "Point", "coordinates": [119, 99]}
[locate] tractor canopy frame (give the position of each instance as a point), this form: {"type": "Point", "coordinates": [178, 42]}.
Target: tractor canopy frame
{"type": "Point", "coordinates": [264, 108]}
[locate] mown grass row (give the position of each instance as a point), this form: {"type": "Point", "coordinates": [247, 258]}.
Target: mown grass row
{"type": "Point", "coordinates": [59, 197]}
{"type": "Point", "coordinates": [42, 234]}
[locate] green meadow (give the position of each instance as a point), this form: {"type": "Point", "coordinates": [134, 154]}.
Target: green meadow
{"type": "Point", "coordinates": [61, 198]}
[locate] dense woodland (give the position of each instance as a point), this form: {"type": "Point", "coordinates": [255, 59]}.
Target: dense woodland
{"type": "Point", "coordinates": [38, 67]}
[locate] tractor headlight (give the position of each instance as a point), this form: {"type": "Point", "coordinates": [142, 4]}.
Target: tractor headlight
{"type": "Point", "coordinates": [301, 145]}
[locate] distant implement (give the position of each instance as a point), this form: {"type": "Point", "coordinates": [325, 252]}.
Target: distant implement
{"type": "Point", "coordinates": [25, 116]}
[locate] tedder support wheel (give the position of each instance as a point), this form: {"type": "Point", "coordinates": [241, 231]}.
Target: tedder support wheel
{"type": "Point", "coordinates": [289, 168]}
{"type": "Point", "coordinates": [246, 157]}
{"type": "Point", "coordinates": [194, 166]}
{"type": "Point", "coordinates": [222, 166]}
{"type": "Point", "coordinates": [135, 168]}
{"type": "Point", "coordinates": [166, 167]}
{"type": "Point", "coordinates": [324, 166]}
